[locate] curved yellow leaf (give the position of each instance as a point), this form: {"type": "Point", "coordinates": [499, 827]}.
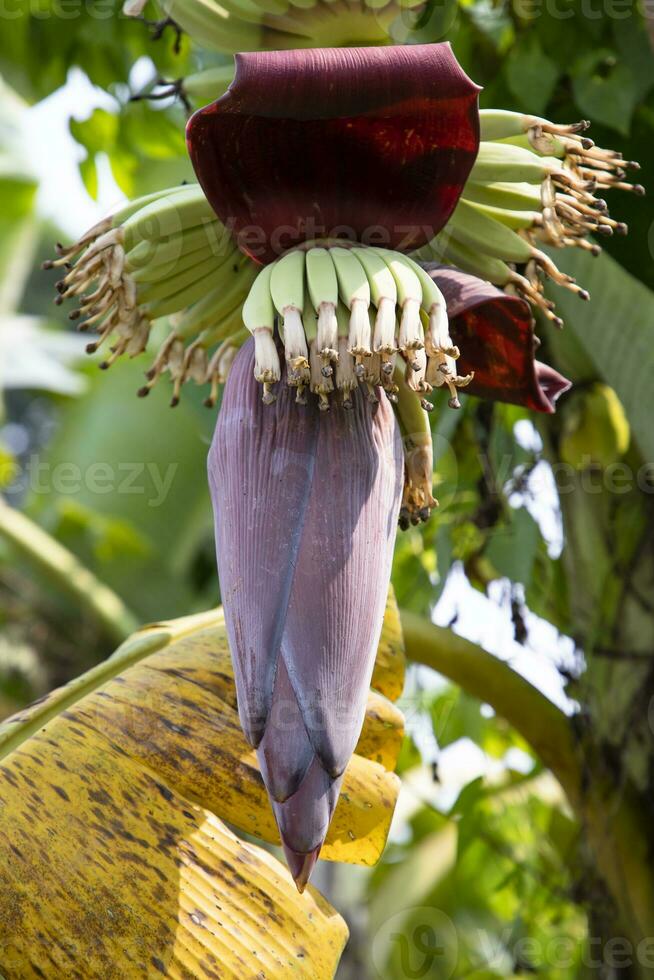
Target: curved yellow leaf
{"type": "Point", "coordinates": [113, 860]}
{"type": "Point", "coordinates": [383, 731]}
{"type": "Point", "coordinates": [390, 665]}
{"type": "Point", "coordinates": [167, 700]}
{"type": "Point", "coordinates": [106, 872]}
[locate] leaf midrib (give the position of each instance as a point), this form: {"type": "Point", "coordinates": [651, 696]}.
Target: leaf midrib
{"type": "Point", "coordinates": [135, 648]}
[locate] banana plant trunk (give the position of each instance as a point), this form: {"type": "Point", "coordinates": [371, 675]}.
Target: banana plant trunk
{"type": "Point", "coordinates": [609, 563]}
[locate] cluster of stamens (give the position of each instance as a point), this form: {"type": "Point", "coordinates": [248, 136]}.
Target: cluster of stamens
{"type": "Point", "coordinates": [117, 308]}
{"type": "Point", "coordinates": [417, 498]}
{"type": "Point", "coordinates": [343, 323]}
{"type": "Point", "coordinates": [571, 211]}
{"type": "Point", "coordinates": [107, 296]}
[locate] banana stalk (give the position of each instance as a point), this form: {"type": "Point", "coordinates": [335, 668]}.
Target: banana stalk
{"type": "Point", "coordinates": [246, 25]}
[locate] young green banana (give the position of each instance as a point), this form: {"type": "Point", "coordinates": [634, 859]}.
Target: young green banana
{"type": "Point", "coordinates": [498, 124]}
{"type": "Point", "coordinates": [149, 295]}
{"type": "Point", "coordinates": [437, 335]}
{"type": "Point", "coordinates": [185, 208]}
{"type": "Point", "coordinates": [259, 318]}
{"type": "Point", "coordinates": [503, 162]}
{"type": "Point", "coordinates": [354, 291]}
{"type": "Point", "coordinates": [346, 380]}
{"type": "Point", "coordinates": [321, 380]}
{"type": "Point", "coordinates": [287, 291]}
{"type": "Point", "coordinates": [232, 288]}
{"type": "Point", "coordinates": [409, 297]}
{"type": "Point", "coordinates": [383, 290]}
{"type": "Point", "coordinates": [504, 194]}
{"type": "Point", "coordinates": [512, 218]}
{"type": "Point", "coordinates": [157, 259]}
{"type": "Point", "coordinates": [323, 290]}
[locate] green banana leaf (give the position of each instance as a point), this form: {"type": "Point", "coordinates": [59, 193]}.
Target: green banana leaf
{"type": "Point", "coordinates": [616, 331]}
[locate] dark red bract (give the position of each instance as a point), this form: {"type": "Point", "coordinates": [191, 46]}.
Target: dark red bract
{"type": "Point", "coordinates": [495, 333]}
{"type": "Point", "coordinates": [372, 144]}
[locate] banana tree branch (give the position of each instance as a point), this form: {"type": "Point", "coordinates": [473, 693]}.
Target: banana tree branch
{"type": "Point", "coordinates": [482, 675]}
{"type": "Point", "coordinates": [611, 818]}
{"type": "Point", "coordinates": [66, 571]}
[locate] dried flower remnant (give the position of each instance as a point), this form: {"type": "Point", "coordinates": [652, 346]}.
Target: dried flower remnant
{"type": "Point", "coordinates": [534, 183]}
{"type": "Point", "coordinates": [164, 257]}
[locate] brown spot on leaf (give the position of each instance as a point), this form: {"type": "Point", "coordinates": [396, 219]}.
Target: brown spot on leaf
{"type": "Point", "coordinates": [165, 792]}
{"type": "Point", "coordinates": [100, 796]}
{"type": "Point", "coordinates": [9, 776]}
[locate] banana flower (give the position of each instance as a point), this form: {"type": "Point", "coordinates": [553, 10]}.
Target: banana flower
{"type": "Point", "coordinates": [328, 167]}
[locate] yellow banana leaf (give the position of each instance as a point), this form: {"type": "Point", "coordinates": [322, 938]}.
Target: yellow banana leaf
{"type": "Point", "coordinates": [383, 730]}
{"type": "Point", "coordinates": [113, 858]}
{"type": "Point", "coordinates": [388, 675]}
{"type": "Point", "coordinates": [107, 872]}
{"type": "Point", "coordinates": [166, 698]}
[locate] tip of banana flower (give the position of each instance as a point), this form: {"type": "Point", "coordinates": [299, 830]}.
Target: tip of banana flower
{"type": "Point", "coordinates": [301, 865]}
{"type": "Point", "coordinates": [551, 383]}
